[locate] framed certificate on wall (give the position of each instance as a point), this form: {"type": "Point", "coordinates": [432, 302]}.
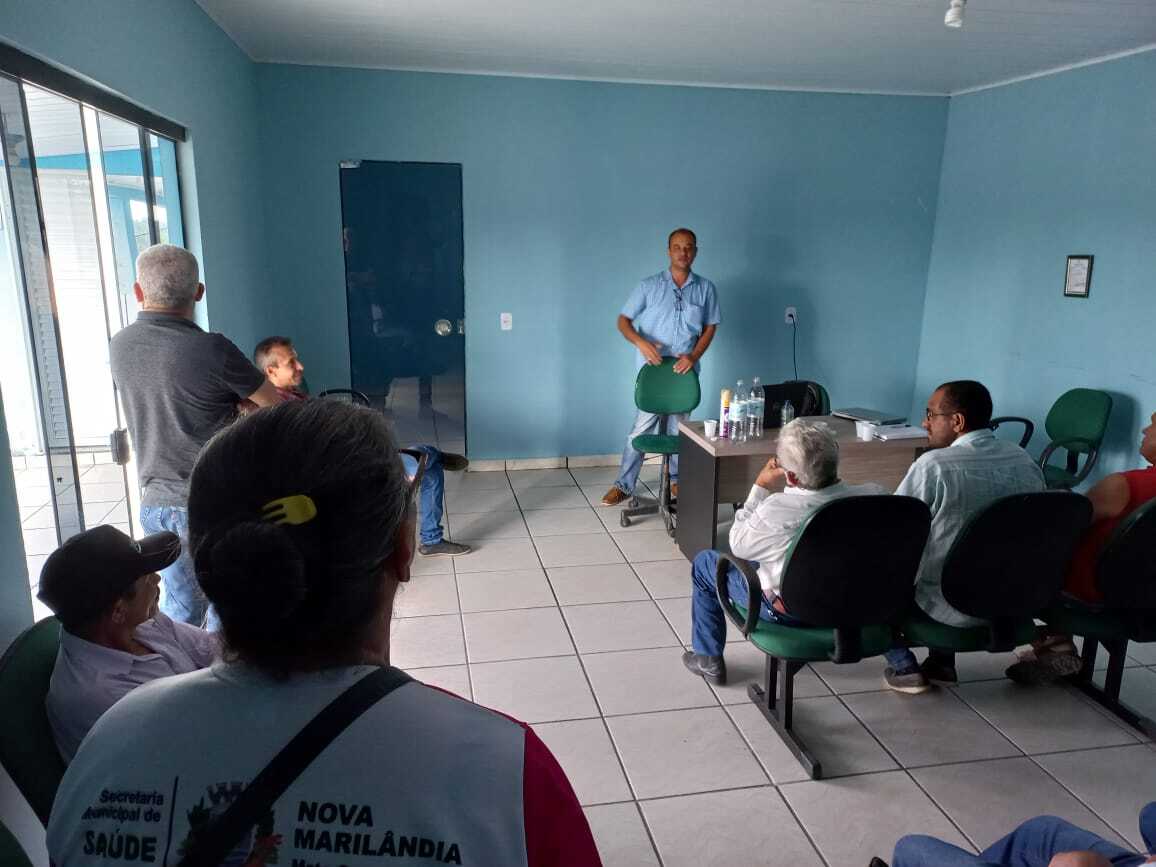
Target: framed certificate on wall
{"type": "Point", "coordinates": [1078, 279]}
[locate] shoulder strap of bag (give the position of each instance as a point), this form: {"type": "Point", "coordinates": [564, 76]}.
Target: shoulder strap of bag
{"type": "Point", "coordinates": [210, 849]}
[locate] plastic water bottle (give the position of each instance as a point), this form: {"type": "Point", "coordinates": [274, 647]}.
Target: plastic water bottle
{"type": "Point", "coordinates": [739, 410]}
{"type": "Point", "coordinates": [756, 408]}
{"type": "Point", "coordinates": [788, 412]}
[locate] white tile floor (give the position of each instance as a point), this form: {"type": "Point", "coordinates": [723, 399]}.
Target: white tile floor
{"type": "Point", "coordinates": [563, 620]}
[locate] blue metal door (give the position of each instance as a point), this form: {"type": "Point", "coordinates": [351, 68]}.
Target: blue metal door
{"type": "Point", "coordinates": [402, 233]}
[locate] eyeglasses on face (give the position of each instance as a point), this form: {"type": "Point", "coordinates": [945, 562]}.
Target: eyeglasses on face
{"type": "Point", "coordinates": [929, 415]}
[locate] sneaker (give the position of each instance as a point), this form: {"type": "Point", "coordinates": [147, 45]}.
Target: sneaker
{"type": "Point", "coordinates": [710, 667]}
{"type": "Point", "coordinates": [1044, 667]}
{"type": "Point", "coordinates": [938, 673]}
{"type": "Point", "coordinates": [911, 682]}
{"type": "Point", "coordinates": [454, 463]}
{"type": "Point", "coordinates": [444, 548]}
{"type": "Point", "coordinates": [615, 497]}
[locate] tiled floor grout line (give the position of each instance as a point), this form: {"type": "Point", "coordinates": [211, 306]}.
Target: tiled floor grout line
{"type": "Point", "coordinates": [597, 704]}
{"type": "Point", "coordinates": [1080, 800]}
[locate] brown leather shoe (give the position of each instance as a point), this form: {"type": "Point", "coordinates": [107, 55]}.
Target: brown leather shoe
{"type": "Point", "coordinates": [615, 497]}
{"type": "Point", "coordinates": [674, 490]}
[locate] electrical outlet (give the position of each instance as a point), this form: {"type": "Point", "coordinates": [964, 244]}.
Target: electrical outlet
{"type": "Point", "coordinates": [791, 317]}
{"type": "Point", "coordinates": [506, 321]}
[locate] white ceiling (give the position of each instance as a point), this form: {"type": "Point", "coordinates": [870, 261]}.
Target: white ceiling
{"type": "Point", "coordinates": [887, 46]}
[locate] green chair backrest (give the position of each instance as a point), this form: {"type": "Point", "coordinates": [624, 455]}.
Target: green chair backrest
{"type": "Point", "coordinates": [12, 853]}
{"type": "Point", "coordinates": [27, 748]}
{"type": "Point", "coordinates": [1081, 413]}
{"type": "Point", "coordinates": [660, 390]}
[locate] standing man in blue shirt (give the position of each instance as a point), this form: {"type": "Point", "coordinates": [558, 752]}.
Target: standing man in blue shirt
{"type": "Point", "coordinates": [675, 313]}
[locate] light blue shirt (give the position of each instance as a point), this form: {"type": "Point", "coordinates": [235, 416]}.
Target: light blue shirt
{"type": "Point", "coordinates": [956, 482]}
{"type": "Point", "coordinates": [663, 313]}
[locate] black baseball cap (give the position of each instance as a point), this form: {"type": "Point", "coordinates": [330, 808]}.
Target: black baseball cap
{"type": "Point", "coordinates": [90, 571]}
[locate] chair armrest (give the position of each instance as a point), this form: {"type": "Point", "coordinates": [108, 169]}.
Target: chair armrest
{"type": "Point", "coordinates": [1029, 427]}
{"type": "Point", "coordinates": [1093, 452]}
{"type": "Point", "coordinates": [754, 593]}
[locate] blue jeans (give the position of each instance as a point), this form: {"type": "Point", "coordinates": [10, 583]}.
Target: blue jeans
{"type": "Point", "coordinates": [707, 619]}
{"type": "Point", "coordinates": [433, 488]}
{"type": "Point", "coordinates": [181, 598]}
{"type": "Point", "coordinates": [645, 422]}
{"type": "Point", "coordinates": [1032, 844]}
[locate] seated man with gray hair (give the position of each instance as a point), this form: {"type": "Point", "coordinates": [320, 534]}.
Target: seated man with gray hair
{"type": "Point", "coordinates": [794, 484]}
{"type": "Point", "coordinates": [179, 385]}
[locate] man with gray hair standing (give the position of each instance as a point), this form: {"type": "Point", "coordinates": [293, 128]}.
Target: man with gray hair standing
{"type": "Point", "coordinates": [794, 484]}
{"type": "Point", "coordinates": [179, 385]}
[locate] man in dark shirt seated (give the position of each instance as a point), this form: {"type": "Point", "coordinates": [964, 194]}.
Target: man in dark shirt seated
{"type": "Point", "coordinates": [277, 359]}
{"type": "Point", "coordinates": [103, 587]}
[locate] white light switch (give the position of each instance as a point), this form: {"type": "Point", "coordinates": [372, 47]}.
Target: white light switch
{"type": "Point", "coordinates": [507, 321]}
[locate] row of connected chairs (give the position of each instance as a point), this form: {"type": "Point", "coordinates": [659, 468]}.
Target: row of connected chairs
{"type": "Point", "coordinates": [850, 571]}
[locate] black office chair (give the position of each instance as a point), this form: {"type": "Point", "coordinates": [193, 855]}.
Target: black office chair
{"type": "Point", "coordinates": [1126, 578]}
{"type": "Point", "coordinates": [1006, 566]}
{"type": "Point", "coordinates": [848, 575]}
{"type": "Point", "coordinates": [808, 398]}
{"type": "Point", "coordinates": [346, 395]}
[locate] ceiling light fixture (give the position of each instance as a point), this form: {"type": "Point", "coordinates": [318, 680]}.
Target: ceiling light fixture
{"type": "Point", "coordinates": [954, 16]}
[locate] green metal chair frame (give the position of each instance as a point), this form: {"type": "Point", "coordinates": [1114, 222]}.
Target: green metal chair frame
{"type": "Point", "coordinates": [848, 574]}
{"type": "Point", "coordinates": [1006, 566]}
{"type": "Point", "coordinates": [658, 389]}
{"type": "Point", "coordinates": [27, 749]}
{"type": "Point", "coordinates": [1077, 423]}
{"type": "Point", "coordinates": [1126, 576]}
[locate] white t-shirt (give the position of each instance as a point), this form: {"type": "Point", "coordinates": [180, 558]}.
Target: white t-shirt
{"type": "Point", "coordinates": [422, 776]}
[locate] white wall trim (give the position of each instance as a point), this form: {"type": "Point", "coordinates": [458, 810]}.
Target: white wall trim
{"type": "Point", "coordinates": [1055, 70]}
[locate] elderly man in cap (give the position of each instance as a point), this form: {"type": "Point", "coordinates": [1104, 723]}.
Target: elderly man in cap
{"type": "Point", "coordinates": [104, 588]}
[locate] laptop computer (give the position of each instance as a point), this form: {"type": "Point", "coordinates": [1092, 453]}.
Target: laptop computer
{"type": "Point", "coordinates": [858, 413]}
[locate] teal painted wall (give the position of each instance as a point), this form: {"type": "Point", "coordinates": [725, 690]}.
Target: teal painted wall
{"type": "Point", "coordinates": [1033, 172]}
{"type": "Point", "coordinates": [823, 201]}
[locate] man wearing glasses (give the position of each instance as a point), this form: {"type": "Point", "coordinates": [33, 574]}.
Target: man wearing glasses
{"type": "Point", "coordinates": [675, 313]}
{"type": "Point", "coordinates": [964, 469]}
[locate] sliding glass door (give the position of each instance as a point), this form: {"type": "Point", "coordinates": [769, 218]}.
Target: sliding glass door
{"type": "Point", "coordinates": [82, 192]}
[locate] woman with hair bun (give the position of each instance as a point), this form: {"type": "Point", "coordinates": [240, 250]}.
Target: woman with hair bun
{"type": "Point", "coordinates": [301, 524]}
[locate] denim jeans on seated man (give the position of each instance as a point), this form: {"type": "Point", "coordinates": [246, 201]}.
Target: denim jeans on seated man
{"type": "Point", "coordinates": [433, 487]}
{"type": "Point", "coordinates": [1032, 844]}
{"type": "Point", "coordinates": [708, 620]}
{"type": "Point", "coordinates": [631, 466]}
{"type": "Point", "coordinates": [181, 595]}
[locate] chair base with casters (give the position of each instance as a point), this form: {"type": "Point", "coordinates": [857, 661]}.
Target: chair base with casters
{"type": "Point", "coordinates": [27, 748]}
{"type": "Point", "coordinates": [665, 505]}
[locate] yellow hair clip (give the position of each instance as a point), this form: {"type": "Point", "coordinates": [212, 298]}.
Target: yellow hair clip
{"type": "Point", "coordinates": [294, 509]}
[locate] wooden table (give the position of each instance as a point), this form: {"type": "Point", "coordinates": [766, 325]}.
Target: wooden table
{"type": "Point", "coordinates": [721, 471]}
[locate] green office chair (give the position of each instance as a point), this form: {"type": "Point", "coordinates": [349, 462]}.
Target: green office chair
{"type": "Point", "coordinates": [1076, 423]}
{"type": "Point", "coordinates": [12, 854]}
{"type": "Point", "coordinates": [1126, 577]}
{"type": "Point", "coordinates": [27, 748]}
{"type": "Point", "coordinates": [658, 389]}
{"type": "Point", "coordinates": [1006, 565]}
{"type": "Point", "coordinates": [849, 573]}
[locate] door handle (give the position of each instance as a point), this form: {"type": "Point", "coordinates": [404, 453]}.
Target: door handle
{"type": "Point", "coordinates": [118, 445]}
{"type": "Point", "coordinates": [443, 327]}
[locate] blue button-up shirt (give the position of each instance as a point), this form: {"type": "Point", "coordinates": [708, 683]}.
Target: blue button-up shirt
{"type": "Point", "coordinates": [674, 317]}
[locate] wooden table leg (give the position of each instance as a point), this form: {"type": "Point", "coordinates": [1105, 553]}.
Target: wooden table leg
{"type": "Point", "coordinates": [697, 498]}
